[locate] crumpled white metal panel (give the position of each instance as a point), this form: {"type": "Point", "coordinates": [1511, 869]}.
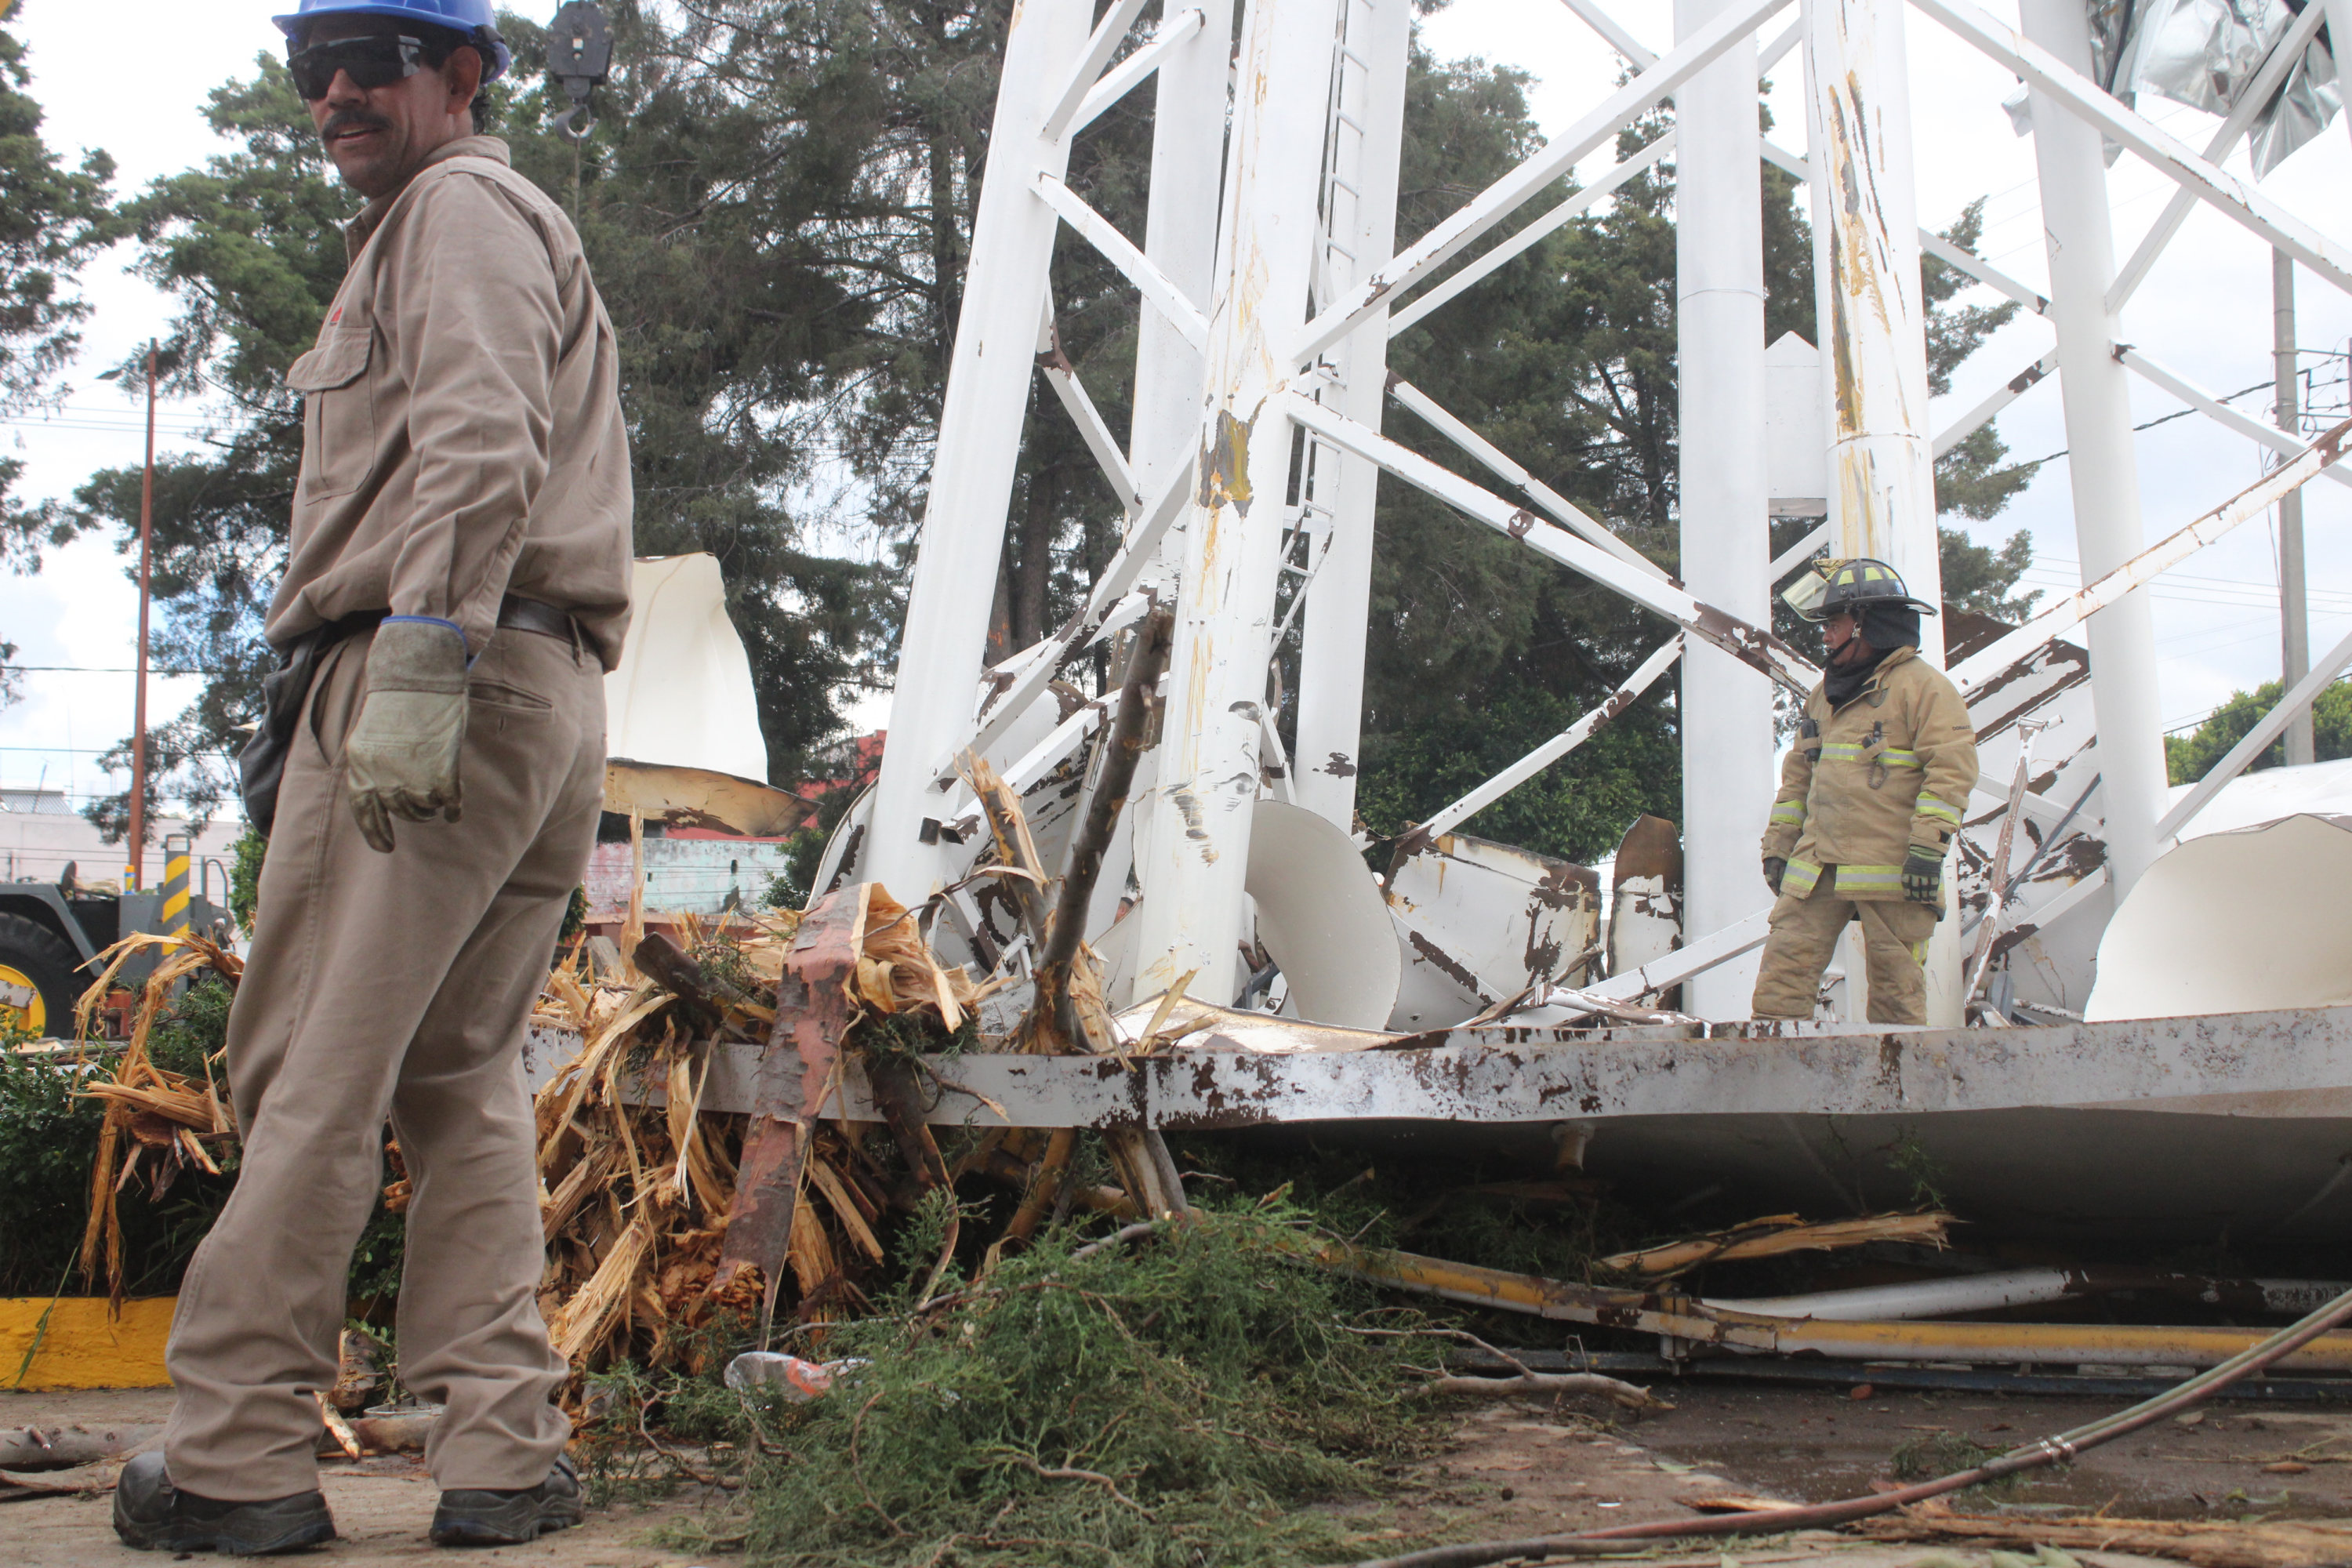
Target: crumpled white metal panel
{"type": "Point", "coordinates": [1478, 922]}
{"type": "Point", "coordinates": [2244, 921]}
{"type": "Point", "coordinates": [682, 694]}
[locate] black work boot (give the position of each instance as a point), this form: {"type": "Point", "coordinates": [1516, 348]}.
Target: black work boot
{"type": "Point", "coordinates": [485, 1518]}
{"type": "Point", "coordinates": [150, 1514]}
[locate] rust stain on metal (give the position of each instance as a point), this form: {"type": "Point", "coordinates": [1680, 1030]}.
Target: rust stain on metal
{"type": "Point", "coordinates": [2028, 376]}
{"type": "Point", "coordinates": [1522, 522]}
{"type": "Point", "coordinates": [1188, 806]}
{"type": "Point", "coordinates": [1051, 359]}
{"type": "Point", "coordinates": [1224, 466]}
{"type": "Point", "coordinates": [1751, 645]}
{"type": "Point", "coordinates": [1567, 886]}
{"type": "Point", "coordinates": [1451, 967]}
{"type": "Point", "coordinates": [1339, 767]}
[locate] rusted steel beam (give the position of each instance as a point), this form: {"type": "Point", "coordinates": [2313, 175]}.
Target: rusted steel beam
{"type": "Point", "coordinates": [799, 1071]}
{"type": "Point", "coordinates": [1934, 244]}
{"type": "Point", "coordinates": [1753, 646]}
{"type": "Point", "coordinates": [2233, 198]}
{"type": "Point", "coordinates": [1992, 661]}
{"type": "Point", "coordinates": [1508, 195]}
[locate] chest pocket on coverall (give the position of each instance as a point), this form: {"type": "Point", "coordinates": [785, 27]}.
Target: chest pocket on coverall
{"type": "Point", "coordinates": [338, 411]}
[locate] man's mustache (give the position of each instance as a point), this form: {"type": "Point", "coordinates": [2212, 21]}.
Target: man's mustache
{"type": "Point", "coordinates": [344, 119]}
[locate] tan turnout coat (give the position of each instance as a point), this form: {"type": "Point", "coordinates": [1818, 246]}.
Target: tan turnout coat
{"type": "Point", "coordinates": [1890, 771]}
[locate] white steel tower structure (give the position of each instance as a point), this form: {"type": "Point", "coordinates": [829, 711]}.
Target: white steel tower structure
{"type": "Point", "coordinates": [1269, 286]}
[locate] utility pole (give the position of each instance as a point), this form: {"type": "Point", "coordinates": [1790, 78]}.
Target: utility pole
{"type": "Point", "coordinates": [2294, 624]}
{"type": "Point", "coordinates": [138, 704]}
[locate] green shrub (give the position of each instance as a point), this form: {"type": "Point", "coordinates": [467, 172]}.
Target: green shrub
{"type": "Point", "coordinates": [1171, 1401]}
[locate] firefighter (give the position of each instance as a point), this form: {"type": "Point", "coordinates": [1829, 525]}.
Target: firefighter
{"type": "Point", "coordinates": [1870, 797]}
{"type": "Point", "coordinates": [456, 585]}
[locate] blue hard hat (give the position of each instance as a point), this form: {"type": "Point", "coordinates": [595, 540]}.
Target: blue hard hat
{"type": "Point", "coordinates": [470, 18]}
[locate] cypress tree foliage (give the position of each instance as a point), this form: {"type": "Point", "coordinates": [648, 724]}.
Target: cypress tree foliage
{"type": "Point", "coordinates": [52, 219]}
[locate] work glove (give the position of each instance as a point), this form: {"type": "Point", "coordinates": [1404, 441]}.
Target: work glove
{"type": "Point", "coordinates": [1923, 877]}
{"type": "Point", "coordinates": [1775, 868]}
{"type": "Point", "coordinates": [401, 757]}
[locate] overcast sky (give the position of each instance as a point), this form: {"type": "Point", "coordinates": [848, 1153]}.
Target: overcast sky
{"type": "Point", "coordinates": [136, 87]}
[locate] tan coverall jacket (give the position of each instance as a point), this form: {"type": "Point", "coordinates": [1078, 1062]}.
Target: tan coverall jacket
{"type": "Point", "coordinates": [445, 462]}
{"type": "Point", "coordinates": [1864, 785]}
{"type": "Point", "coordinates": [463, 439]}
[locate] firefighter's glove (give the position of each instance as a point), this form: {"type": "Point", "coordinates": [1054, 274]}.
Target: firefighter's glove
{"type": "Point", "coordinates": [401, 757]}
{"type": "Point", "coordinates": [1923, 877]}
{"type": "Point", "coordinates": [1775, 868]}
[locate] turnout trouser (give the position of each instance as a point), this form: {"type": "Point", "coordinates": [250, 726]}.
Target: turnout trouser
{"type": "Point", "coordinates": [1805, 931]}
{"type": "Point", "coordinates": [394, 986]}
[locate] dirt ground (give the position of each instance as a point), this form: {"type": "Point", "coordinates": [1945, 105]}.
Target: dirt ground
{"type": "Point", "coordinates": [1513, 1468]}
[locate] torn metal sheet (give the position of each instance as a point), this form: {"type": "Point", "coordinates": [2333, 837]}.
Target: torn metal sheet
{"type": "Point", "coordinates": [1478, 922]}
{"type": "Point", "coordinates": [789, 1084]}
{"type": "Point", "coordinates": [701, 798]}
{"type": "Point", "coordinates": [2166, 1127]}
{"type": "Point", "coordinates": [1645, 901]}
{"type": "Point", "coordinates": [2205, 54]}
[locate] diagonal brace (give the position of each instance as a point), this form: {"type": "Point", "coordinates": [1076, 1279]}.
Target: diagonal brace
{"type": "Point", "coordinates": [1121, 252]}
{"type": "Point", "coordinates": [2233, 198]}
{"type": "Point", "coordinates": [1995, 658]}
{"type": "Point", "coordinates": [1752, 646]}
{"type": "Point", "coordinates": [1506, 194]}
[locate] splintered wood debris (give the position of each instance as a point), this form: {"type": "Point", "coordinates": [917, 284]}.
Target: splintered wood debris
{"type": "Point", "coordinates": [1782, 1233]}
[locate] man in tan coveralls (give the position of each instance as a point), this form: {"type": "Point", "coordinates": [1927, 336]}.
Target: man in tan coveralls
{"type": "Point", "coordinates": [1870, 797]}
{"type": "Point", "coordinates": [459, 561]}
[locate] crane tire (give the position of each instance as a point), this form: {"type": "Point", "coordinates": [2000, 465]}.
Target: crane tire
{"type": "Point", "coordinates": [32, 954]}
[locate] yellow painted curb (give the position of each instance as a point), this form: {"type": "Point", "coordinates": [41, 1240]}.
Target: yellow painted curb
{"type": "Point", "coordinates": [84, 1348]}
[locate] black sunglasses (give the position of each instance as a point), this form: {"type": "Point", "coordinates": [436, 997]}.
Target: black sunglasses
{"type": "Point", "coordinates": [378, 59]}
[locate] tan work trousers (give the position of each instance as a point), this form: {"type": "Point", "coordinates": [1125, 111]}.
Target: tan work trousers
{"type": "Point", "coordinates": [395, 985]}
{"type": "Point", "coordinates": [1895, 936]}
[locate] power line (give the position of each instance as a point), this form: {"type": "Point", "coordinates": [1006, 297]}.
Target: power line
{"type": "Point", "coordinates": [99, 669]}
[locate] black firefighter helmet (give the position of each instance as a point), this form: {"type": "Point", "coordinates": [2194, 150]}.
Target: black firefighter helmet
{"type": "Point", "coordinates": [1836, 587]}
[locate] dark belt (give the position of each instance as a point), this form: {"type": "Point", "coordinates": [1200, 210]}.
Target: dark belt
{"type": "Point", "coordinates": [515, 614]}
{"type": "Point", "coordinates": [530, 616]}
